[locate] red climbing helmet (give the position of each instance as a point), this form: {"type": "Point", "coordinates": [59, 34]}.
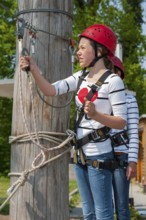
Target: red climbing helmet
{"type": "Point", "coordinates": [102, 35]}
{"type": "Point", "coordinates": [117, 63]}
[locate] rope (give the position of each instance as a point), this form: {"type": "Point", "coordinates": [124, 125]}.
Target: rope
{"type": "Point", "coordinates": [45, 10]}
{"type": "Point", "coordinates": [41, 135]}
{"type": "Point", "coordinates": [40, 160]}
{"type": "Point", "coordinates": [34, 30]}
{"type": "Point", "coordinates": [23, 176]}
{"type": "Point", "coordinates": [35, 138]}
{"type": "Point", "coordinates": [54, 106]}
{"type": "Point", "coordinates": [73, 193]}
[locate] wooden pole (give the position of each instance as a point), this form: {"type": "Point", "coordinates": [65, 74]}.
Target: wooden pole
{"type": "Point", "coordinates": [44, 195]}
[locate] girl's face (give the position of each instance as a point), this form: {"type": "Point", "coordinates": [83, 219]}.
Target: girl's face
{"type": "Point", "coordinates": [85, 52]}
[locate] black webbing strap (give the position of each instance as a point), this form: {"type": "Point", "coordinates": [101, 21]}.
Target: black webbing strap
{"type": "Point", "coordinates": [95, 136]}
{"type": "Point", "coordinates": [82, 77]}
{"type": "Point", "coordinates": [95, 87]}
{"type": "Point", "coordinates": [120, 138]}
{"type": "Point", "coordinates": [110, 165]}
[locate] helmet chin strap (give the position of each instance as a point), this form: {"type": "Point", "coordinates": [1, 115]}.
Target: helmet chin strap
{"type": "Point", "coordinates": [96, 55]}
{"type": "Point", "coordinates": [93, 63]}
{"type": "Point", "coordinates": [95, 60]}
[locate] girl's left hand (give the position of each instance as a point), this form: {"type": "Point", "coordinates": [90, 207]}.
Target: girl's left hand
{"type": "Point", "coordinates": [131, 170]}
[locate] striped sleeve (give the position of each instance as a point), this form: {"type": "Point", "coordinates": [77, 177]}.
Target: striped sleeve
{"type": "Point", "coordinates": [117, 97]}
{"type": "Point", "coordinates": [132, 125]}
{"type": "Point", "coordinates": [67, 85]}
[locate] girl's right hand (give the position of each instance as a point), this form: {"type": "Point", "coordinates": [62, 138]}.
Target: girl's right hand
{"type": "Point", "coordinates": [25, 62]}
{"type": "Point", "coordinates": [89, 108]}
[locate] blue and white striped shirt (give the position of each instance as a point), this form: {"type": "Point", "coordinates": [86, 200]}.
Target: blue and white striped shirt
{"type": "Point", "coordinates": [132, 127]}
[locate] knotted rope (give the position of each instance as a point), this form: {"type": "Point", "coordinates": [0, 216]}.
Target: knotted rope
{"type": "Point", "coordinates": [35, 137]}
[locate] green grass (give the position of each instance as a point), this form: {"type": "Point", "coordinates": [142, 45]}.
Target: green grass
{"type": "Point", "coordinates": [4, 185]}
{"type": "Point", "coordinates": [75, 200]}
{"type": "Point", "coordinates": [72, 185]}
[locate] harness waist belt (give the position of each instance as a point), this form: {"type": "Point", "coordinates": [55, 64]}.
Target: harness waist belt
{"type": "Point", "coordinates": [95, 136]}
{"type": "Point", "coordinates": [120, 138]}
{"type": "Point", "coordinates": [111, 164]}
{"type": "Point", "coordinates": [99, 164]}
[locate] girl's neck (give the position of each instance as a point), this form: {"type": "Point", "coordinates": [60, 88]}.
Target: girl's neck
{"type": "Point", "coordinates": [98, 69]}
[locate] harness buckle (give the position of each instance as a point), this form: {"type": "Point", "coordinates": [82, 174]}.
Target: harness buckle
{"type": "Point", "coordinates": [120, 139]}
{"type": "Point", "coordinates": [82, 78]}
{"type": "Point", "coordinates": [123, 164]}
{"type": "Point", "coordinates": [97, 164]}
{"type": "Point", "coordinates": [72, 135]}
{"type": "Point", "coordinates": [94, 87]}
{"type": "Point", "coordinates": [124, 137]}
{"type": "Point", "coordinates": [95, 136]}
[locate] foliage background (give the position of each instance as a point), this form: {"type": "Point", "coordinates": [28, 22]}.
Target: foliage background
{"type": "Point", "coordinates": [7, 65]}
{"type": "Point", "coordinates": [125, 17]}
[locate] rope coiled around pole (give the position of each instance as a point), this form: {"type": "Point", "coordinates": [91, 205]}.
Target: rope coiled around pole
{"type": "Point", "coordinates": [35, 137]}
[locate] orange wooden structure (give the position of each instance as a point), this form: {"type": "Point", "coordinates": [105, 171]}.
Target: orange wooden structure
{"type": "Point", "coordinates": [141, 165]}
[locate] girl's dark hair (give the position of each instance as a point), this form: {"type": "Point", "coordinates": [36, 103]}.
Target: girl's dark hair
{"type": "Point", "coordinates": [104, 52]}
{"type": "Point", "coordinates": [116, 69]}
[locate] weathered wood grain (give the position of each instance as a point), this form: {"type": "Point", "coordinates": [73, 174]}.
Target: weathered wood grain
{"type": "Point", "coordinates": [45, 194]}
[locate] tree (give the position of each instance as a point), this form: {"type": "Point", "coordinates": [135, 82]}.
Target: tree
{"type": "Point", "coordinates": [134, 44]}
{"type": "Point", "coordinates": [125, 18]}
{"type": "Point", "coordinates": [7, 37]}
{"type": "Point", "coordinates": [7, 58]}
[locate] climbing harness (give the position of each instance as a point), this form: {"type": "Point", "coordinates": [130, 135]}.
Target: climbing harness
{"type": "Point", "coordinates": [120, 138]}
{"type": "Point", "coordinates": [111, 164]}
{"type": "Point", "coordinates": [100, 164]}
{"type": "Point", "coordinates": [93, 89]}
{"type": "Point", "coordinates": [96, 135]}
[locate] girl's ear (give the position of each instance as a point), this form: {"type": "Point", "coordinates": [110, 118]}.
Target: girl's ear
{"type": "Point", "coordinates": [99, 51]}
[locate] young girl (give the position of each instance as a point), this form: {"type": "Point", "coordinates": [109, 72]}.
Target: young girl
{"type": "Point", "coordinates": [126, 154]}
{"type": "Point", "coordinates": [94, 151]}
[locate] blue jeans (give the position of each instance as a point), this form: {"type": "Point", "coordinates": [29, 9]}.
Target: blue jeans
{"type": "Point", "coordinates": [121, 191]}
{"type": "Point", "coordinates": [95, 188]}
